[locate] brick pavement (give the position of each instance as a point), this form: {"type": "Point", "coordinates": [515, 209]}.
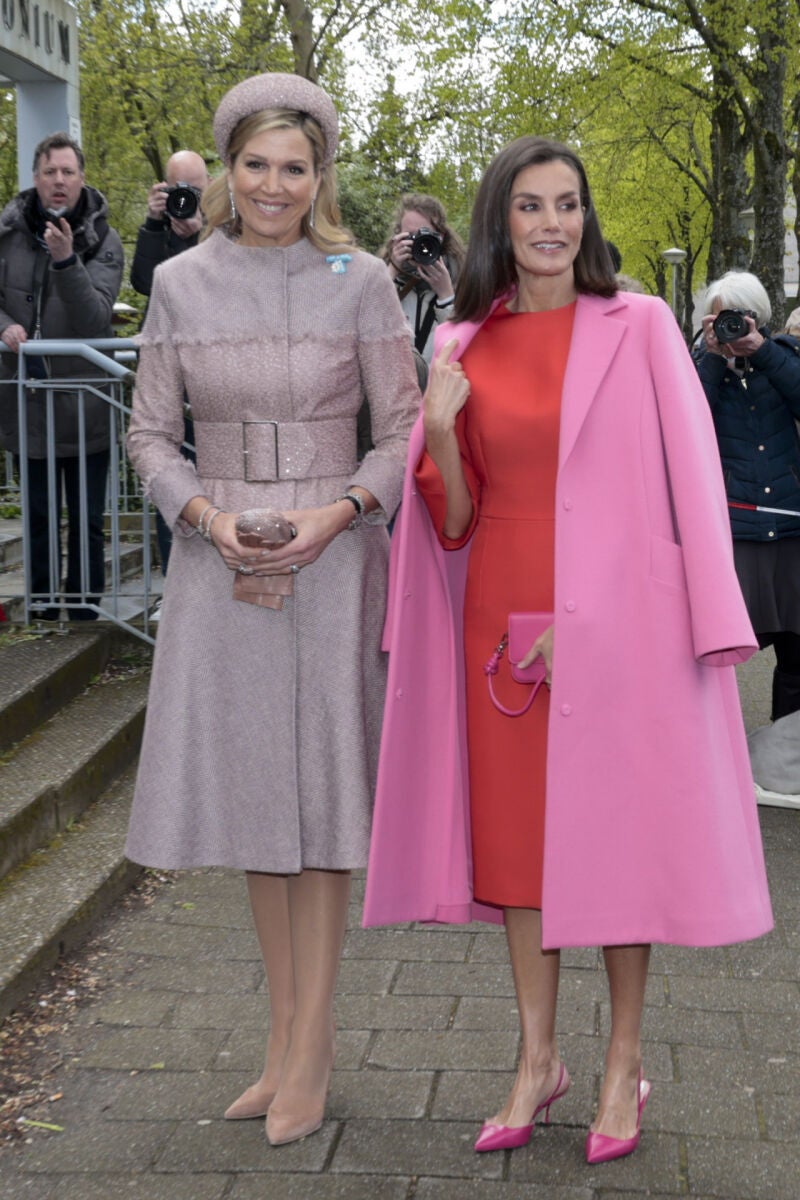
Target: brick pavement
{"type": "Point", "coordinates": [426, 1048]}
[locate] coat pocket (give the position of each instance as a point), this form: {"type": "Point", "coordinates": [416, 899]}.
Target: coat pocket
{"type": "Point", "coordinates": [666, 563]}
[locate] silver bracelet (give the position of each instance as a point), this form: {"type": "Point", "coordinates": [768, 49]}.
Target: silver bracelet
{"type": "Point", "coordinates": [199, 525]}
{"type": "Point", "coordinates": [357, 503]}
{"type": "Point", "coordinates": [211, 520]}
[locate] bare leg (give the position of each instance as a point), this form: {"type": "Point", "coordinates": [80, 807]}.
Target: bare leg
{"type": "Point", "coordinates": [536, 984]}
{"type": "Point", "coordinates": [317, 918]}
{"type": "Point", "coordinates": [617, 1111]}
{"type": "Point", "coordinates": [269, 901]}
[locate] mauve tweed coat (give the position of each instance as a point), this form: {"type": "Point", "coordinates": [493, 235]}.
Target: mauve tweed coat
{"type": "Point", "coordinates": [262, 732]}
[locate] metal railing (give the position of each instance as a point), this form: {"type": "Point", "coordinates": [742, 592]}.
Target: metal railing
{"type": "Point", "coordinates": [125, 598]}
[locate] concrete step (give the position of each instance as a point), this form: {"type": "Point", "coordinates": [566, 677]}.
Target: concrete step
{"type": "Point", "coordinates": [49, 904]}
{"type": "Point", "coordinates": [10, 544]}
{"type": "Point", "coordinates": [51, 777]}
{"type": "Point", "coordinates": [40, 674]}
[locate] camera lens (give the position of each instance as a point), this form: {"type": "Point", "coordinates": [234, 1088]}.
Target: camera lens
{"type": "Point", "coordinates": [730, 325]}
{"type": "Point", "coordinates": [426, 247]}
{"type": "Point", "coordinates": [182, 202]}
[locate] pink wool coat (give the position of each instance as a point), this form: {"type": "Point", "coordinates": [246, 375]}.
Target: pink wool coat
{"type": "Point", "coordinates": [651, 828]}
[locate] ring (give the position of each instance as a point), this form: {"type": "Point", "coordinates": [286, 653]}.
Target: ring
{"type": "Point", "coordinates": [243, 570]}
{"type": "Point", "coordinates": [294, 569]}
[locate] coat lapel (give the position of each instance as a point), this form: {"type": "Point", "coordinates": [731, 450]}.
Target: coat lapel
{"type": "Point", "coordinates": [595, 340]}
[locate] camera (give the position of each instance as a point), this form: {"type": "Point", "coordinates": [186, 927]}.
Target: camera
{"type": "Point", "coordinates": [730, 324]}
{"type": "Point", "coordinates": [183, 201]}
{"type": "Point", "coordinates": [426, 247]}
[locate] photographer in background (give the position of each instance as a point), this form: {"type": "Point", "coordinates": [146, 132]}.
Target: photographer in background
{"type": "Point", "coordinates": [60, 270]}
{"type": "Point", "coordinates": [173, 220]}
{"type": "Point", "coordinates": [173, 224]}
{"type": "Point", "coordinates": [424, 256]}
{"type": "Point", "coordinates": [752, 382]}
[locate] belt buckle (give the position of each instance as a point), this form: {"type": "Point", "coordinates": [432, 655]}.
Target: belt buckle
{"type": "Point", "coordinates": [245, 452]}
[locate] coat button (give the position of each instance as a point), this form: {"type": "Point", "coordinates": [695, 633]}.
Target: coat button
{"type": "Point", "coordinates": [399, 694]}
{"type": "Point", "coordinates": [567, 504]}
{"type": "Point", "coordinates": [406, 595]}
{"type": "Point", "coordinates": [768, 490]}
{"type": "Point", "coordinates": [771, 533]}
{"type": "Point", "coordinates": [570, 606]}
{"type": "Point", "coordinates": [566, 710]}
{"type": "Point", "coordinates": [762, 447]}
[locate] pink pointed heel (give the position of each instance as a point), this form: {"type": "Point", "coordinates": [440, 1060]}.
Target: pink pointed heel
{"type": "Point", "coordinates": [600, 1148]}
{"type": "Point", "coordinates": [509, 1137]}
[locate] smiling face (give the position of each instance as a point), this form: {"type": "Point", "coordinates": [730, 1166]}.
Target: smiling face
{"type": "Point", "coordinates": [58, 179]}
{"type": "Point", "coordinates": [273, 182]}
{"type": "Point", "coordinates": [545, 220]}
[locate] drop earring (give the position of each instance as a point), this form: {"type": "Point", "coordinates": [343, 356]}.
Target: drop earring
{"type": "Point", "coordinates": [311, 214]}
{"type": "Point", "coordinates": [234, 214]}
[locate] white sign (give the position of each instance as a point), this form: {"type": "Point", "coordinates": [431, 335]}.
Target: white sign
{"type": "Point", "coordinates": [42, 33]}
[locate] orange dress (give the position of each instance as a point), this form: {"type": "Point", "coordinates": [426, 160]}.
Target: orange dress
{"type": "Point", "coordinates": [508, 433]}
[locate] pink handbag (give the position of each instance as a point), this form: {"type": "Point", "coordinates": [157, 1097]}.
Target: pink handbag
{"type": "Point", "coordinates": [523, 630]}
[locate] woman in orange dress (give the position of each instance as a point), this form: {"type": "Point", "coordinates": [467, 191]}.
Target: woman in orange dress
{"type": "Point", "coordinates": [489, 474]}
{"type": "Point", "coordinates": [509, 451]}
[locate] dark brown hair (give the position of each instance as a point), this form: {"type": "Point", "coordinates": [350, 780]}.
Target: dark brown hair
{"type": "Point", "coordinates": [58, 141]}
{"type": "Point", "coordinates": [490, 270]}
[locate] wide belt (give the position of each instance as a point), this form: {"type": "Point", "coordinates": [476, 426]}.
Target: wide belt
{"type": "Point", "coordinates": [269, 451]}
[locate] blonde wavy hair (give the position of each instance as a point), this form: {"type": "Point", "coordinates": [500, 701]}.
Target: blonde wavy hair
{"type": "Point", "coordinates": [327, 232]}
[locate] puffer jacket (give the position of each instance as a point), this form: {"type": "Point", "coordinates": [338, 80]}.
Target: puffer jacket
{"type": "Point", "coordinates": [754, 416]}
{"type": "Point", "coordinates": [77, 302]}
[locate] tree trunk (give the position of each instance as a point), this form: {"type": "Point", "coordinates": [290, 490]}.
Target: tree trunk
{"type": "Point", "coordinates": [301, 31]}
{"type": "Point", "coordinates": [729, 247]}
{"type": "Point", "coordinates": [770, 154]}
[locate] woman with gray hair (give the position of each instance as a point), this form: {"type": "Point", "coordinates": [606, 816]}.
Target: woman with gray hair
{"type": "Point", "coordinates": [261, 742]}
{"type": "Point", "coordinates": [752, 382]}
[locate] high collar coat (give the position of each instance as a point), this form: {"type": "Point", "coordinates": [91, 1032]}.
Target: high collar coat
{"type": "Point", "coordinates": [651, 826]}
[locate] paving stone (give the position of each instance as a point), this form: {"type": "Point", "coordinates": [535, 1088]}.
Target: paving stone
{"type": "Point", "coordinates": [412, 945]}
{"type": "Point", "coordinates": [207, 976]}
{"type": "Point", "coordinates": [124, 1049]}
{"type": "Point", "coordinates": [321, 1187]}
{"type": "Point", "coordinates": [361, 976]}
{"type": "Point", "coordinates": [97, 1146]}
{"type": "Point", "coordinates": [244, 1050]}
{"type": "Point", "coordinates": [694, 1027]}
{"type": "Point", "coordinates": [765, 958]}
{"type": "Point", "coordinates": [556, 1156]}
{"type": "Point", "coordinates": [392, 1094]}
{"type": "Point", "coordinates": [776, 1033]}
{"type": "Point", "coordinates": [727, 995]}
{"type": "Point", "coordinates": [128, 1006]}
{"type": "Point", "coordinates": [476, 1095]}
{"type": "Point", "coordinates": [712, 961]}
{"type": "Point", "coordinates": [461, 1189]}
{"type": "Point", "coordinates": [742, 1170]}
{"type": "Point", "coordinates": [778, 1074]}
{"type": "Point", "coordinates": [163, 939]}
{"type": "Point", "coordinates": [177, 1095]}
{"type": "Point", "coordinates": [220, 1012]}
{"type": "Point", "coordinates": [479, 1012]}
{"type": "Point", "coordinates": [241, 1146]}
{"type": "Point", "coordinates": [393, 1012]}
{"type": "Point", "coordinates": [782, 1117]}
{"type": "Point", "coordinates": [456, 1050]}
{"type": "Point", "coordinates": [703, 1108]}
{"type": "Point", "coordinates": [438, 1148]}
{"type": "Point", "coordinates": [118, 1187]}
{"type": "Point", "coordinates": [454, 979]}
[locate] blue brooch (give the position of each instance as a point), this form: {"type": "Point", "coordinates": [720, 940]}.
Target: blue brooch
{"type": "Point", "coordinates": [338, 262]}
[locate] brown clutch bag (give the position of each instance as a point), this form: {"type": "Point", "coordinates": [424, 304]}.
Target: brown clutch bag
{"type": "Point", "coordinates": [258, 527]}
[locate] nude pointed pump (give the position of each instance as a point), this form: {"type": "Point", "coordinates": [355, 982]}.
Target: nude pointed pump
{"type": "Point", "coordinates": [509, 1137]}
{"type": "Point", "coordinates": [600, 1148]}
